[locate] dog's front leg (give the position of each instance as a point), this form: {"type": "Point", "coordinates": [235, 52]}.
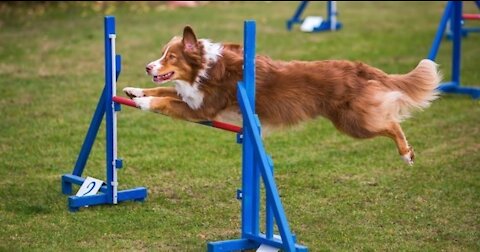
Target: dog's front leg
{"type": "Point", "coordinates": [169, 106]}
{"type": "Point", "coordinates": [157, 92]}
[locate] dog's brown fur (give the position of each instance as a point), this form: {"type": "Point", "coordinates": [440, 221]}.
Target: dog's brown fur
{"type": "Point", "coordinates": [360, 100]}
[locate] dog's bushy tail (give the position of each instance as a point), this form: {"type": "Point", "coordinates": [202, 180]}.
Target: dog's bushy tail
{"type": "Point", "coordinates": [414, 90]}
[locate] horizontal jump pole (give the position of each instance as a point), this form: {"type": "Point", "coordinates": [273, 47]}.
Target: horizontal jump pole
{"type": "Point", "coordinates": [471, 16]}
{"type": "Point", "coordinates": [214, 124]}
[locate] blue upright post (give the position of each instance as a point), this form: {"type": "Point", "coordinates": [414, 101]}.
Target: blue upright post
{"type": "Point", "coordinates": [457, 41]}
{"type": "Point", "coordinates": [250, 179]}
{"type": "Point", "coordinates": [109, 193]}
{"type": "Point", "coordinates": [110, 82]}
{"type": "Point", "coordinates": [453, 13]}
{"type": "Point", "coordinates": [332, 15]}
{"type": "Point", "coordinates": [255, 164]}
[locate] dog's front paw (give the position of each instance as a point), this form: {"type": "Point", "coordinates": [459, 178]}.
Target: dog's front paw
{"type": "Point", "coordinates": [144, 103]}
{"type": "Point", "coordinates": [133, 92]}
{"type": "Point", "coordinates": [409, 157]}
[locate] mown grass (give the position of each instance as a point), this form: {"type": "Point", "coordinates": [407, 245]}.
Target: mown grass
{"type": "Point", "coordinates": [339, 193]}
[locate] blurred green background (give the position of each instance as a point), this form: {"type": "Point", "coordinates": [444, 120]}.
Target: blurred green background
{"type": "Point", "coordinates": [339, 194]}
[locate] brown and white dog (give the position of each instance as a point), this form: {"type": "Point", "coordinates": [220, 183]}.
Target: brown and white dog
{"type": "Point", "coordinates": [360, 100]}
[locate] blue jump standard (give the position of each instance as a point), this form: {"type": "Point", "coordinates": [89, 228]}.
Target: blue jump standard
{"type": "Point", "coordinates": [108, 192]}
{"type": "Point", "coordinates": [324, 26]}
{"type": "Point", "coordinates": [464, 30]}
{"type": "Point", "coordinates": [453, 12]}
{"type": "Point", "coordinates": [256, 165]}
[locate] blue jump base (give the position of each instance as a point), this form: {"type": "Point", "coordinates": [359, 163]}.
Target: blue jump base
{"type": "Point", "coordinates": [76, 202]}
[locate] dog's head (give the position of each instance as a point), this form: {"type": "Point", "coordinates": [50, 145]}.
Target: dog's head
{"type": "Point", "coordinates": [183, 58]}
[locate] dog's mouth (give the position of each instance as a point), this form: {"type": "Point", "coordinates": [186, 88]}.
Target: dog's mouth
{"type": "Point", "coordinates": [163, 77]}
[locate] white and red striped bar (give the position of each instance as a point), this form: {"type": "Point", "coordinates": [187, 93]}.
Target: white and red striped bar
{"type": "Point", "coordinates": [214, 124]}
{"type": "Point", "coordinates": [468, 16]}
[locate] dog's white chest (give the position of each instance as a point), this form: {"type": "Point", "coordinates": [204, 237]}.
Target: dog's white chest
{"type": "Point", "coordinates": [190, 93]}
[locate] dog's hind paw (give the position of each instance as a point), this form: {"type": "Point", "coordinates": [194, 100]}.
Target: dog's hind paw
{"type": "Point", "coordinates": [133, 92]}
{"type": "Point", "coordinates": [409, 157]}
{"type": "Point", "coordinates": [143, 102]}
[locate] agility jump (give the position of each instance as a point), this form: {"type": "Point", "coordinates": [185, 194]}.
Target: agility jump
{"type": "Point", "coordinates": [453, 14]}
{"type": "Point", "coordinates": [109, 193]}
{"type": "Point", "coordinates": [256, 163]}
{"type": "Point", "coordinates": [315, 24]}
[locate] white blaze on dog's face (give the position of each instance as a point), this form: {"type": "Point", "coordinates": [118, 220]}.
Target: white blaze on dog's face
{"type": "Point", "coordinates": [181, 60]}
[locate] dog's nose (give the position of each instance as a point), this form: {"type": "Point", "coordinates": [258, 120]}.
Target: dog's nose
{"type": "Point", "coordinates": [149, 68]}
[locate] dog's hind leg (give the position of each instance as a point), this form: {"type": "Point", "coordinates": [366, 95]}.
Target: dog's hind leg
{"type": "Point", "coordinates": [395, 132]}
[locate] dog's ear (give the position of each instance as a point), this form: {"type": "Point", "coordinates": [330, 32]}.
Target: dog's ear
{"type": "Point", "coordinates": [189, 39]}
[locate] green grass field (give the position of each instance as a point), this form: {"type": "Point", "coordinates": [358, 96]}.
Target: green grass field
{"type": "Point", "coordinates": [339, 194]}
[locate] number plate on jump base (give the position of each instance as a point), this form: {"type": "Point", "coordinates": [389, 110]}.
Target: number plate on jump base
{"type": "Point", "coordinates": [90, 186]}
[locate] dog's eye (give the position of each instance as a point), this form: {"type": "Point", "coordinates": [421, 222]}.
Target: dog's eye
{"type": "Point", "coordinates": [171, 56]}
